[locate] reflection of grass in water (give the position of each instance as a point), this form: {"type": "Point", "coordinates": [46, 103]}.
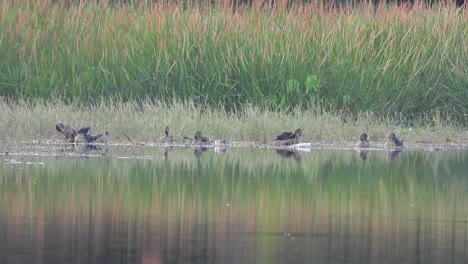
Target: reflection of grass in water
{"type": "Point", "coordinates": [257, 197]}
{"type": "Point", "coordinates": [146, 122]}
{"type": "Point", "coordinates": [324, 197]}
{"type": "Point", "coordinates": [263, 186]}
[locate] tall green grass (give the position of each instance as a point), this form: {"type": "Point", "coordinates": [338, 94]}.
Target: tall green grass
{"type": "Point", "coordinates": [384, 59]}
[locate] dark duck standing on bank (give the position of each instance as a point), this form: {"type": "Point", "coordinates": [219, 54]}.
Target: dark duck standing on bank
{"type": "Point", "coordinates": [67, 131]}
{"type": "Point", "coordinates": [166, 138]}
{"type": "Point", "coordinates": [288, 138]}
{"type": "Point", "coordinates": [84, 137]}
{"type": "Point", "coordinates": [393, 141]}
{"type": "Point", "coordinates": [363, 143]}
{"type": "Point", "coordinates": [200, 139]}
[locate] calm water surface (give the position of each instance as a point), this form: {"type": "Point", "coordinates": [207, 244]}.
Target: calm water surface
{"type": "Point", "coordinates": [184, 205]}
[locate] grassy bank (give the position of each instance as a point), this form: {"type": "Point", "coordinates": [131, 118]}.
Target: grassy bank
{"type": "Point", "coordinates": [388, 60]}
{"type": "Point", "coordinates": [145, 122]}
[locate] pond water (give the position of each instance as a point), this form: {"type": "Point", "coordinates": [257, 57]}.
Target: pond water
{"type": "Point", "coordinates": [125, 204]}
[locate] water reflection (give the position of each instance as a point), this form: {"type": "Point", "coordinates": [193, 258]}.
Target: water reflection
{"type": "Point", "coordinates": [198, 151]}
{"type": "Point", "coordinates": [362, 153]}
{"type": "Point", "coordinates": [289, 153]}
{"type": "Point", "coordinates": [394, 153]}
{"type": "Point", "coordinates": [247, 206]}
{"type": "Point", "coordinates": [167, 149]}
{"type": "Point", "coordinates": [220, 149]}
{"type": "Point", "coordinates": [91, 149]}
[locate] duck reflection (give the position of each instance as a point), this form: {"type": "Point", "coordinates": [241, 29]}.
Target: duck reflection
{"type": "Point", "coordinates": [92, 149]}
{"type": "Point", "coordinates": [362, 153]}
{"type": "Point", "coordinates": [88, 149]}
{"type": "Point", "coordinates": [394, 153]}
{"type": "Point", "coordinates": [220, 149]}
{"type": "Point", "coordinates": [166, 151]}
{"type": "Point", "coordinates": [289, 153]}
{"type": "Point", "coordinates": [200, 150]}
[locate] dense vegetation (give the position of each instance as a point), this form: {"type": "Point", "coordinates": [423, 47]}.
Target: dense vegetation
{"type": "Point", "coordinates": [384, 59]}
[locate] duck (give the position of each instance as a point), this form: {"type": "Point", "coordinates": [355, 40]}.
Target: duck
{"type": "Point", "coordinates": [200, 139]}
{"type": "Point", "coordinates": [288, 138]}
{"type": "Point", "coordinates": [221, 142]}
{"type": "Point", "coordinates": [220, 146]}
{"type": "Point", "coordinates": [363, 143]}
{"type": "Point", "coordinates": [393, 141]}
{"type": "Point", "coordinates": [166, 138]}
{"type": "Point", "coordinates": [84, 137]}
{"type": "Point", "coordinates": [104, 139]}
{"type": "Point", "coordinates": [67, 131]}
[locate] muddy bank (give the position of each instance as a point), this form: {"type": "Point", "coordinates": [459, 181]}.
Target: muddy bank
{"type": "Point", "coordinates": [60, 149]}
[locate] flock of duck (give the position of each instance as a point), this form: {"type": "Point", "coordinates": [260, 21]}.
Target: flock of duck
{"type": "Point", "coordinates": [392, 141]}
{"type": "Point", "coordinates": [82, 136]}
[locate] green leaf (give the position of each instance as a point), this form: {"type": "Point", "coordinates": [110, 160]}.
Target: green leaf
{"type": "Point", "coordinates": [312, 84]}
{"type": "Point", "coordinates": [282, 103]}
